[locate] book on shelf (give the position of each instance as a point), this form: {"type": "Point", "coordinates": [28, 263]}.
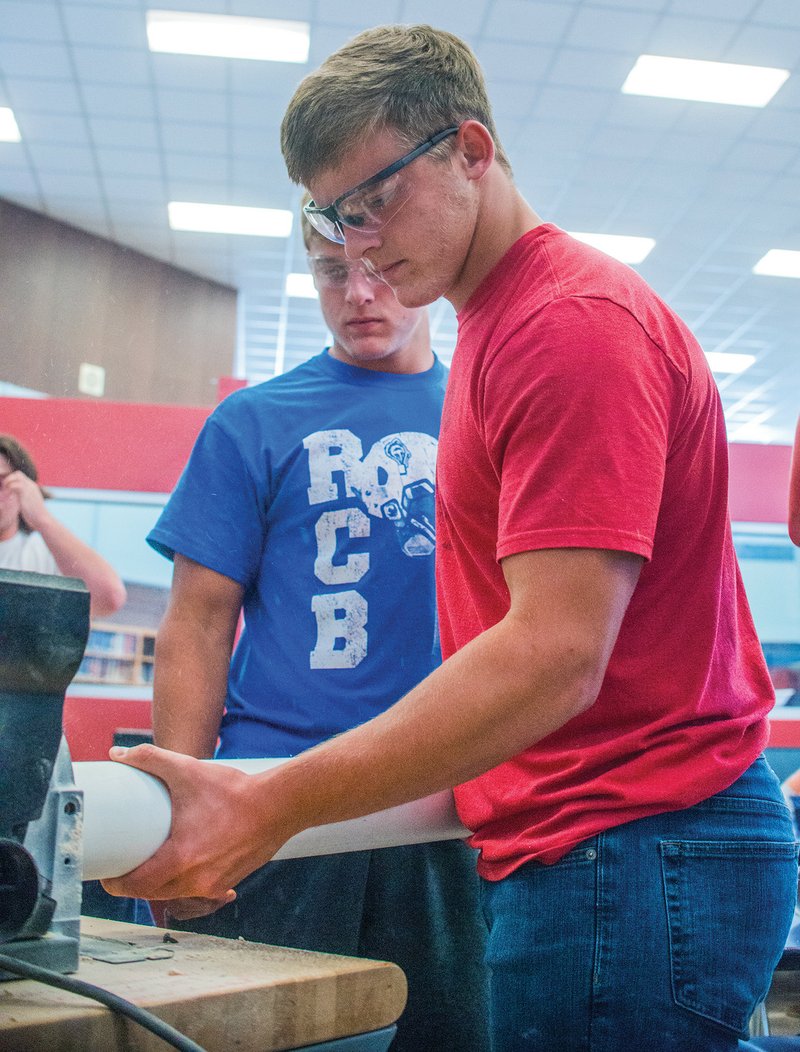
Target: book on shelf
{"type": "Point", "coordinates": [118, 654]}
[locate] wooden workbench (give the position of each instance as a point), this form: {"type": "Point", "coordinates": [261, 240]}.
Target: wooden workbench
{"type": "Point", "coordinates": [226, 995]}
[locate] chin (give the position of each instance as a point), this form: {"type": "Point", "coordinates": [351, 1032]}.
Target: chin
{"type": "Point", "coordinates": [421, 293]}
{"type": "Point", "coordinates": [415, 297]}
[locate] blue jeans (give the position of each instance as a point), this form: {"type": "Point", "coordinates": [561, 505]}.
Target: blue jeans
{"type": "Point", "coordinates": [661, 934]}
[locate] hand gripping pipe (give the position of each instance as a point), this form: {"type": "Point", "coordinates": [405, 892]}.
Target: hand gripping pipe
{"type": "Point", "coordinates": [127, 815]}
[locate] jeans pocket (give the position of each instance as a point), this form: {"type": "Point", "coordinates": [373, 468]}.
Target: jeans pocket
{"type": "Point", "coordinates": [729, 907]}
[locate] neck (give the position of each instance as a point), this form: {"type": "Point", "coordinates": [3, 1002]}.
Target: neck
{"type": "Point", "coordinates": [503, 217]}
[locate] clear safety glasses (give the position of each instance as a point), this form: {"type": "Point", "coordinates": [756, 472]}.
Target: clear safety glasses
{"type": "Point", "coordinates": [332, 272]}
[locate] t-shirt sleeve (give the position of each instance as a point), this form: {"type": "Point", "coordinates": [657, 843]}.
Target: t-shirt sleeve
{"type": "Point", "coordinates": [577, 415]}
{"type": "Point", "coordinates": [217, 513]}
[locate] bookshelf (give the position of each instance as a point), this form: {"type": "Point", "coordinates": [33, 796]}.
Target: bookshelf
{"type": "Point", "coordinates": [119, 655]}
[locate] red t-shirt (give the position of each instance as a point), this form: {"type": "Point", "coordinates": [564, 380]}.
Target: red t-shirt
{"type": "Point", "coordinates": [581, 412]}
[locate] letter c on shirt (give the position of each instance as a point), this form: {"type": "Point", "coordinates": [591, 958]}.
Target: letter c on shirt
{"type": "Point", "coordinates": [354, 566]}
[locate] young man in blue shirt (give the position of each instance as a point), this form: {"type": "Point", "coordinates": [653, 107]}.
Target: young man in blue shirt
{"type": "Point", "coordinates": [308, 503]}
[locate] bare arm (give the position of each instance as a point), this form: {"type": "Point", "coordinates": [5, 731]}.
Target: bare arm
{"type": "Point", "coordinates": [794, 490]}
{"type": "Point", "coordinates": [193, 652]}
{"type": "Point", "coordinates": [73, 557]}
{"type": "Point", "coordinates": [514, 684]}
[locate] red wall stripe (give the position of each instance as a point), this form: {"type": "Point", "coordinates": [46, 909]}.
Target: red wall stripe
{"type": "Point", "coordinates": [104, 445]}
{"type": "Point", "coordinates": [784, 734]}
{"type": "Point", "coordinates": [129, 446]}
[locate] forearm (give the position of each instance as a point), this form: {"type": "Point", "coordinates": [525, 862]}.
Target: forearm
{"type": "Point", "coordinates": [513, 685]}
{"type": "Point", "coordinates": [76, 559]}
{"type": "Point", "coordinates": [190, 684]}
{"type": "Point", "coordinates": [484, 705]}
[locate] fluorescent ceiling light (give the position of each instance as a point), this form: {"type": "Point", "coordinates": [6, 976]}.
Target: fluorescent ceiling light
{"type": "Point", "coordinates": [9, 132]}
{"type": "Point", "coordinates": [725, 362]}
{"type": "Point", "coordinates": [620, 246]}
{"type": "Point", "coordinates": [779, 263]}
{"type": "Point", "coordinates": [688, 78]}
{"type": "Point", "coordinates": [227, 36]}
{"type": "Point", "coordinates": [301, 286]}
{"type": "Point", "coordinates": [230, 219]}
{"type": "Point", "coordinates": [752, 431]}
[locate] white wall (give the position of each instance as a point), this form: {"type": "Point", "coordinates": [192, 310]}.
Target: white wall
{"type": "Point", "coordinates": [115, 524]}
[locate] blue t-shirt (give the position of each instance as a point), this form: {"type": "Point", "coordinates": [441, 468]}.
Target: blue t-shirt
{"type": "Point", "coordinates": [315, 491]}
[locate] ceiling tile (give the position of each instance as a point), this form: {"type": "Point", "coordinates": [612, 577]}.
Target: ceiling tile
{"type": "Point", "coordinates": [128, 188]}
{"type": "Point", "coordinates": [56, 129]}
{"type": "Point", "coordinates": [766, 46]}
{"type": "Point", "coordinates": [64, 183]}
{"type": "Point", "coordinates": [130, 134]}
{"type": "Point", "coordinates": [713, 8]}
{"type": "Point", "coordinates": [582, 68]}
{"type": "Point", "coordinates": [702, 38]}
{"type": "Point", "coordinates": [185, 166]}
{"type": "Point", "coordinates": [21, 59]}
{"type": "Point", "coordinates": [195, 138]}
{"type": "Point", "coordinates": [777, 12]}
{"type": "Point", "coordinates": [777, 125]}
{"type": "Point", "coordinates": [380, 12]}
{"type": "Point", "coordinates": [176, 104]}
{"type": "Point", "coordinates": [18, 181]}
{"type": "Point", "coordinates": [514, 62]}
{"type": "Point", "coordinates": [48, 156]}
{"type": "Point", "coordinates": [762, 156]}
{"type": "Point", "coordinates": [611, 30]}
{"type": "Point", "coordinates": [104, 25]}
{"type": "Point", "coordinates": [51, 96]}
{"type": "Point", "coordinates": [22, 20]}
{"type": "Point", "coordinates": [111, 100]}
{"type": "Point", "coordinates": [539, 23]}
{"type": "Point", "coordinates": [111, 65]}
{"type": "Point", "coordinates": [463, 19]}
{"type": "Point", "coordinates": [116, 161]}
{"type": "Point", "coordinates": [190, 72]}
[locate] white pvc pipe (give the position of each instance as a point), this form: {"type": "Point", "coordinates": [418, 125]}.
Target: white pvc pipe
{"type": "Point", "coordinates": [127, 815]}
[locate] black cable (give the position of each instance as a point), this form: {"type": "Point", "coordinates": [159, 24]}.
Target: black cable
{"type": "Point", "coordinates": [105, 997]}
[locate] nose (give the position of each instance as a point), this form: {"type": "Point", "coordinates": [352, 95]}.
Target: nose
{"type": "Point", "coordinates": [357, 242]}
{"type": "Point", "coordinates": [359, 288]}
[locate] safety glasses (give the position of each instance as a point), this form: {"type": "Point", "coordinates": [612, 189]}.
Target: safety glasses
{"type": "Point", "coordinates": [330, 272]}
{"type": "Point", "coordinates": [371, 204]}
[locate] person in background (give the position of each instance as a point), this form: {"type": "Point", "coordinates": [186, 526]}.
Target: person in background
{"type": "Point", "coordinates": [794, 490]}
{"type": "Point", "coordinates": [31, 538]}
{"type": "Point", "coordinates": [308, 501]}
{"type": "Point", "coordinates": [602, 705]}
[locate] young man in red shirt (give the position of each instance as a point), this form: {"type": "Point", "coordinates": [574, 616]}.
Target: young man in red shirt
{"type": "Point", "coordinates": [603, 703]}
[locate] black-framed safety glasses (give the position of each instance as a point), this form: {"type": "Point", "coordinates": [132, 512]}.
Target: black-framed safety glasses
{"type": "Point", "coordinates": [371, 204]}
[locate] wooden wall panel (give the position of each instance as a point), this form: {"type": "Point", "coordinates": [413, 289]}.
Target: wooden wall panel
{"type": "Point", "coordinates": [162, 335]}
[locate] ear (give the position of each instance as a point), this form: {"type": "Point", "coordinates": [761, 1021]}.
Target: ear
{"type": "Point", "coordinates": [477, 148]}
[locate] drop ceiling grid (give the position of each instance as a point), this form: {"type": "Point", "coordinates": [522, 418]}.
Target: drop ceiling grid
{"type": "Point", "coordinates": [112, 132]}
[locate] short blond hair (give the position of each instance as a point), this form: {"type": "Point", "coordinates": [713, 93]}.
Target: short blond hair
{"type": "Point", "coordinates": [416, 80]}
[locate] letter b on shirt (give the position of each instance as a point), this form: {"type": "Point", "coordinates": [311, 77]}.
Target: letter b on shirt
{"type": "Point", "coordinates": [341, 630]}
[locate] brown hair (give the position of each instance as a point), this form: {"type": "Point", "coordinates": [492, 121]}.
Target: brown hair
{"type": "Point", "coordinates": [20, 460]}
{"type": "Point", "coordinates": [414, 79]}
